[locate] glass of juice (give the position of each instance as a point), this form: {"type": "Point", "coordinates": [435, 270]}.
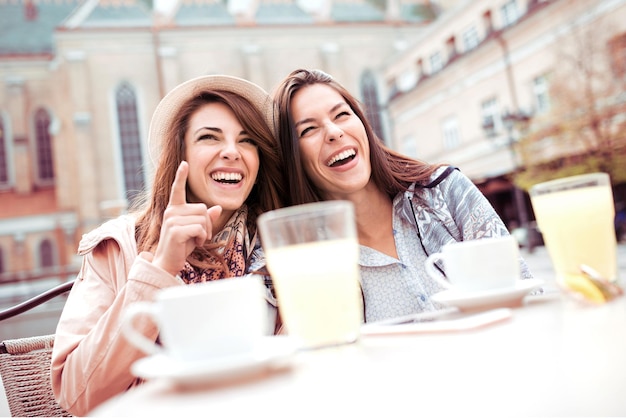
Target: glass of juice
{"type": "Point", "coordinates": [576, 218]}
{"type": "Point", "coordinates": [312, 254]}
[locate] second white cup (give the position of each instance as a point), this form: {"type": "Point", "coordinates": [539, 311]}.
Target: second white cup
{"type": "Point", "coordinates": [481, 264]}
{"type": "Point", "coordinates": [202, 321]}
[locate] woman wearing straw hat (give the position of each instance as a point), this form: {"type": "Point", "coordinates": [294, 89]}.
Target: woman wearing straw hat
{"type": "Point", "coordinates": [217, 169]}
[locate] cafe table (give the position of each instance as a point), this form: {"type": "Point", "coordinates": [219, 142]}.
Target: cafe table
{"type": "Point", "coordinates": [551, 357]}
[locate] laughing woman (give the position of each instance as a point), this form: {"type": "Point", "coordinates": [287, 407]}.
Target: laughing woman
{"type": "Point", "coordinates": [405, 209]}
{"type": "Point", "coordinates": [218, 169]}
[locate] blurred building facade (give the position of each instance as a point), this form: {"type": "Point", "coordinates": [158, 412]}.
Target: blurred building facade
{"type": "Point", "coordinates": [79, 80]}
{"type": "Point", "coordinates": [452, 81]}
{"type": "Point", "coordinates": [485, 75]}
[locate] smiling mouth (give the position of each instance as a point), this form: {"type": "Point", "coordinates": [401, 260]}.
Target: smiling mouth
{"type": "Point", "coordinates": [227, 178]}
{"type": "Point", "coordinates": [342, 158]}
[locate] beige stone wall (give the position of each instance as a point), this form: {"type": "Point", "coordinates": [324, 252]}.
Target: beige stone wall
{"type": "Point", "coordinates": [78, 86]}
{"type": "Point", "coordinates": [459, 89]}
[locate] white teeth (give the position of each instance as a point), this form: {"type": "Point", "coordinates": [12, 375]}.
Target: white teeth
{"type": "Point", "coordinates": [341, 156]}
{"type": "Point", "coordinates": [221, 176]}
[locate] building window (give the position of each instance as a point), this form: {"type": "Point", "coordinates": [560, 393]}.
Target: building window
{"type": "Point", "coordinates": [509, 12]}
{"type": "Point", "coordinates": [470, 38]}
{"type": "Point", "coordinates": [541, 94]}
{"type": "Point", "coordinates": [451, 136]}
{"type": "Point", "coordinates": [369, 93]}
{"type": "Point", "coordinates": [46, 254]}
{"type": "Point", "coordinates": [45, 166]}
{"type": "Point", "coordinates": [407, 80]}
{"type": "Point", "coordinates": [130, 144]}
{"type": "Point", "coordinates": [436, 63]}
{"type": "Point", "coordinates": [4, 155]}
{"type": "Point", "coordinates": [492, 119]}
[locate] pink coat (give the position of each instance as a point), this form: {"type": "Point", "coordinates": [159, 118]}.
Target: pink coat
{"type": "Point", "coordinates": [91, 359]}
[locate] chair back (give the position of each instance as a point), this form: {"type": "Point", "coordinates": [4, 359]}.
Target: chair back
{"type": "Point", "coordinates": [25, 365]}
{"type": "Point", "coordinates": [25, 371]}
{"type": "Point", "coordinates": [36, 301]}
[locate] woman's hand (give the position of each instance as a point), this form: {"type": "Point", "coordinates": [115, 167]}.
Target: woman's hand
{"type": "Point", "coordinates": [185, 226]}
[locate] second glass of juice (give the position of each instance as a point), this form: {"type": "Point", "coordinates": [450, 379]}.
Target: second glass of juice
{"type": "Point", "coordinates": [576, 218]}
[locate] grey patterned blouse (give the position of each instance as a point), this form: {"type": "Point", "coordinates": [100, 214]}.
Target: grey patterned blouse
{"type": "Point", "coordinates": [450, 208]}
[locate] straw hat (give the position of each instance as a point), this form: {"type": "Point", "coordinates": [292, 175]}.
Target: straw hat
{"type": "Point", "coordinates": [169, 106]}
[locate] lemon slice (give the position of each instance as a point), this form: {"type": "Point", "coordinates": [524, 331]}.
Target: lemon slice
{"type": "Point", "coordinates": [585, 287]}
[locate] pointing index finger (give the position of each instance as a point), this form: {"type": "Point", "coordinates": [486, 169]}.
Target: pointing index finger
{"type": "Point", "coordinates": [178, 196]}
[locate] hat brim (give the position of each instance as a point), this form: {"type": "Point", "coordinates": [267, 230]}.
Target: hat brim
{"type": "Point", "coordinates": [168, 108]}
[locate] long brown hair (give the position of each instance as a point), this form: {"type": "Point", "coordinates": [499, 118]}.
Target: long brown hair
{"type": "Point", "coordinates": [392, 172]}
{"type": "Point", "coordinates": [266, 194]}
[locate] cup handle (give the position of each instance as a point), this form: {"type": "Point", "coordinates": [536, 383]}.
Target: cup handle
{"type": "Point", "coordinates": [433, 272]}
{"type": "Point", "coordinates": [132, 335]}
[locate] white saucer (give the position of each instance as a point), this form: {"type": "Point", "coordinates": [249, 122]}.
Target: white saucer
{"type": "Point", "coordinates": [273, 353]}
{"type": "Point", "coordinates": [483, 299]}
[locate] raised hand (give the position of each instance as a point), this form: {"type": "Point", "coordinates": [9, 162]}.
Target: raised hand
{"type": "Point", "coordinates": [185, 225]}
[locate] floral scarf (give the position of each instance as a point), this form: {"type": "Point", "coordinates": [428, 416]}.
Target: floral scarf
{"type": "Point", "coordinates": [238, 246]}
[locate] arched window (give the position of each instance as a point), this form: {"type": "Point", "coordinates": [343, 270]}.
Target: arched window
{"type": "Point", "coordinates": [46, 254]}
{"type": "Point", "coordinates": [43, 146]}
{"type": "Point", "coordinates": [128, 123]}
{"type": "Point", "coordinates": [369, 93]}
{"type": "Point", "coordinates": [4, 155]}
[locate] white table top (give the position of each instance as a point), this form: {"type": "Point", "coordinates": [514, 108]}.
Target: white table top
{"type": "Point", "coordinates": [553, 357]}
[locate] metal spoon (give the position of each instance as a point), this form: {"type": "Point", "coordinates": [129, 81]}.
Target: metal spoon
{"type": "Point", "coordinates": [609, 289]}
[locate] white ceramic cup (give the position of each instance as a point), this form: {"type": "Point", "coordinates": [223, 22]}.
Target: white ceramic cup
{"type": "Point", "coordinates": [200, 321]}
{"type": "Point", "coordinates": [481, 264]}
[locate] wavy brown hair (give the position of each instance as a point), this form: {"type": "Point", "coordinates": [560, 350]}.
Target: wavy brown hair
{"type": "Point", "coordinates": [266, 194]}
{"type": "Point", "coordinates": [392, 172]}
